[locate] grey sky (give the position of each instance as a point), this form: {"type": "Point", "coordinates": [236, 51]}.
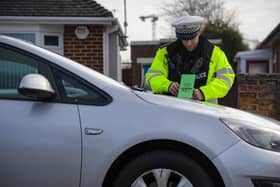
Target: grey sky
{"type": "Point", "coordinates": [256, 18]}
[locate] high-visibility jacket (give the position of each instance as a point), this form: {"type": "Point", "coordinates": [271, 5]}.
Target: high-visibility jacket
{"type": "Point", "coordinates": [218, 81]}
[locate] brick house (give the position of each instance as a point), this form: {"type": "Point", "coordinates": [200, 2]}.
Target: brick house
{"type": "Point", "coordinates": [82, 30]}
{"type": "Point", "coordinates": [260, 93]}
{"type": "Point", "coordinates": [272, 41]}
{"type": "Point", "coordinates": [265, 58]}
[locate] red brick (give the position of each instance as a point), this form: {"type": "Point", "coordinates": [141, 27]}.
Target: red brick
{"type": "Point", "coordinates": [266, 95]}
{"type": "Point", "coordinates": [260, 94]}
{"type": "Point", "coordinates": [89, 51]}
{"type": "Point", "coordinates": [242, 87]}
{"type": "Point", "coordinates": [267, 107]}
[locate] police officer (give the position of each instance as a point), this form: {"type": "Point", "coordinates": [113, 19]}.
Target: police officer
{"type": "Point", "coordinates": [191, 53]}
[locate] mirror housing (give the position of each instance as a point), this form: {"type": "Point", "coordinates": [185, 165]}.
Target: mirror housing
{"type": "Point", "coordinates": [36, 86]}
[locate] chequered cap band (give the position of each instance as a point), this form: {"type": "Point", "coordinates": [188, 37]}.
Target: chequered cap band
{"type": "Point", "coordinates": [183, 34]}
{"type": "Point", "coordinates": [184, 29]}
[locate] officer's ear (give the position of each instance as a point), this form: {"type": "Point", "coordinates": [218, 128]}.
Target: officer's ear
{"type": "Point", "coordinates": [199, 32]}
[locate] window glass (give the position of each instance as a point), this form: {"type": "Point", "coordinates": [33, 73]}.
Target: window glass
{"type": "Point", "coordinates": [13, 67]}
{"type": "Point", "coordinates": [72, 89]}
{"type": "Point", "coordinates": [51, 40]}
{"type": "Point", "coordinates": [29, 37]}
{"type": "Point", "coordinates": [257, 68]}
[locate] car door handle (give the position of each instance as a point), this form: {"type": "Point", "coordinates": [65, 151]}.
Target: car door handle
{"type": "Point", "coordinates": [93, 131]}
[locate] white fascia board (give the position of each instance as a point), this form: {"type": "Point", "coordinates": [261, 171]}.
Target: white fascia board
{"type": "Point", "coordinates": [144, 43]}
{"type": "Point", "coordinates": [255, 54]}
{"type": "Point", "coordinates": [144, 60]}
{"type": "Point", "coordinates": [105, 53]}
{"type": "Point", "coordinates": [116, 27]}
{"type": "Point", "coordinates": [57, 20]}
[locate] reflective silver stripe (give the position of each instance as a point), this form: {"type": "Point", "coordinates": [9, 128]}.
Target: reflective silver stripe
{"type": "Point", "coordinates": [215, 101]}
{"type": "Point", "coordinates": [224, 70]}
{"type": "Point", "coordinates": [154, 71]}
{"type": "Point", "coordinates": [155, 75]}
{"type": "Point", "coordinates": [220, 75]}
{"type": "Point", "coordinates": [225, 79]}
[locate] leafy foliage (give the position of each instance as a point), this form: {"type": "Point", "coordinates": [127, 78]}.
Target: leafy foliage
{"type": "Point", "coordinates": [232, 41]}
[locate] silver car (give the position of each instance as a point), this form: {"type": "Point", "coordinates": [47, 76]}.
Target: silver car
{"type": "Point", "coordinates": [65, 125]}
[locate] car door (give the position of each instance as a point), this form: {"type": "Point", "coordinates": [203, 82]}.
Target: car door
{"type": "Point", "coordinates": [96, 103]}
{"type": "Point", "coordinates": [40, 141]}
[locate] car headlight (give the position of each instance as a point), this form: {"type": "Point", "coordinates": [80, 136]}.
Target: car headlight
{"type": "Point", "coordinates": [259, 132]}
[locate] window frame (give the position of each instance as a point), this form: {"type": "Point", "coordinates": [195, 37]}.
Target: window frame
{"type": "Point", "coordinates": [108, 98]}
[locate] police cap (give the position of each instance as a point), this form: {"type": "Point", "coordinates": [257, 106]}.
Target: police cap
{"type": "Point", "coordinates": [186, 27]}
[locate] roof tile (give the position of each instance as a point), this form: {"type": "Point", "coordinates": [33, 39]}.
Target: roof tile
{"type": "Point", "coordinates": [53, 8]}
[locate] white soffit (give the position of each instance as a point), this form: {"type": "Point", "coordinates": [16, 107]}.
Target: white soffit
{"type": "Point", "coordinates": [144, 60]}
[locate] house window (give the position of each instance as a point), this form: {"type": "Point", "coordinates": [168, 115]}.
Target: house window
{"type": "Point", "coordinates": [51, 40]}
{"type": "Point", "coordinates": [29, 37]}
{"type": "Point", "coordinates": [257, 66]}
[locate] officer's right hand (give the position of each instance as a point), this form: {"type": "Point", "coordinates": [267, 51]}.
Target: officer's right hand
{"type": "Point", "coordinates": [174, 88]}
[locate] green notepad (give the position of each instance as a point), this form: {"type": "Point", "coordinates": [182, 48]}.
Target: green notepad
{"type": "Point", "coordinates": [186, 86]}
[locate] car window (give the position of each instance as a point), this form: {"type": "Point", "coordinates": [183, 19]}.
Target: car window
{"type": "Point", "coordinates": [13, 67]}
{"type": "Point", "coordinates": [74, 90]}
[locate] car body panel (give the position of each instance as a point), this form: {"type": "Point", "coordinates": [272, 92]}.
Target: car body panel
{"type": "Point", "coordinates": [243, 162]}
{"type": "Point", "coordinates": [124, 128]}
{"type": "Point", "coordinates": [40, 144]}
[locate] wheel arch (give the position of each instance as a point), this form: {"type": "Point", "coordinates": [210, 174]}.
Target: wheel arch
{"type": "Point", "coordinates": [170, 145]}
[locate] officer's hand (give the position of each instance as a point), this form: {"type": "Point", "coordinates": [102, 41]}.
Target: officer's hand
{"type": "Point", "coordinates": [197, 95]}
{"type": "Point", "coordinates": [174, 88]}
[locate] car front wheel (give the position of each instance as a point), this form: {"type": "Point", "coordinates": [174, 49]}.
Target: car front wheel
{"type": "Point", "coordinates": [162, 169]}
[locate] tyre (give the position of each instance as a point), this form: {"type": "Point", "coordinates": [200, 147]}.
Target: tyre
{"type": "Point", "coordinates": [162, 169]}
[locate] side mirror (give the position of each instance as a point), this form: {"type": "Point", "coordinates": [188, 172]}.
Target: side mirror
{"type": "Point", "coordinates": [36, 86]}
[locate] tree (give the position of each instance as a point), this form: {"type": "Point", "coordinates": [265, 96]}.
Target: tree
{"type": "Point", "coordinates": [212, 10]}
{"type": "Point", "coordinates": [232, 40]}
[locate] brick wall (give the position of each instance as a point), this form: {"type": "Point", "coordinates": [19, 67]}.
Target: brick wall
{"type": "Point", "coordinates": [260, 94]}
{"type": "Point", "coordinates": [88, 51]}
